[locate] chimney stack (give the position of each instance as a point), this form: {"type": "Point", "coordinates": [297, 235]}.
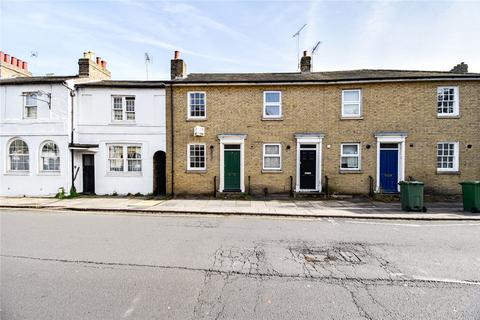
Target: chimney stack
{"type": "Point", "coordinates": [460, 68]}
{"type": "Point", "coordinates": [11, 67]}
{"type": "Point", "coordinates": [93, 67]}
{"type": "Point", "coordinates": [305, 63]}
{"type": "Point", "coordinates": [178, 68]}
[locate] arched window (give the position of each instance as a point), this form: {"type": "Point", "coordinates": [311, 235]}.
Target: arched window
{"type": "Point", "coordinates": [50, 157]}
{"type": "Point", "coordinates": [18, 156]}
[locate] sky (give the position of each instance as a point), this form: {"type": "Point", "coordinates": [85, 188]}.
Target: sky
{"type": "Point", "coordinates": [240, 36]}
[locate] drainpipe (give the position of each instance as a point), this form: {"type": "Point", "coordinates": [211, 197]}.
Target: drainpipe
{"type": "Point", "coordinates": [72, 95]}
{"type": "Point", "coordinates": [172, 139]}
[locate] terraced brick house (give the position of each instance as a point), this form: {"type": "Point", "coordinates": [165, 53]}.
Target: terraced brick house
{"type": "Point", "coordinates": [359, 131]}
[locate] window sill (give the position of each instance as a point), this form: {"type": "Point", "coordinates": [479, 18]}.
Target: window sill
{"type": "Point", "coordinates": [272, 119]}
{"type": "Point", "coordinates": [123, 123]}
{"type": "Point", "coordinates": [271, 171]}
{"type": "Point", "coordinates": [448, 117]}
{"type": "Point", "coordinates": [124, 174]}
{"type": "Point", "coordinates": [351, 118]}
{"type": "Point", "coordinates": [203, 171]}
{"type": "Point", "coordinates": [454, 173]}
{"type": "Point", "coordinates": [197, 119]}
{"type": "Point", "coordinates": [350, 171]}
{"type": "Point", "coordinates": [49, 173]}
{"type": "Point", "coordinates": [17, 173]}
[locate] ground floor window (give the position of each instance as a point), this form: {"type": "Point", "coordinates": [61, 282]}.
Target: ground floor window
{"type": "Point", "coordinates": [124, 158]}
{"type": "Point", "coordinates": [272, 158]}
{"type": "Point", "coordinates": [18, 156]}
{"type": "Point", "coordinates": [350, 156]}
{"type": "Point", "coordinates": [447, 156]}
{"type": "Point", "coordinates": [50, 157]}
{"type": "Point", "coordinates": [196, 157]}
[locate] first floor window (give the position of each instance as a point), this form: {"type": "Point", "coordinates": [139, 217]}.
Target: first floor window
{"type": "Point", "coordinates": [123, 108]}
{"type": "Point", "coordinates": [272, 104]}
{"type": "Point", "coordinates": [272, 158]}
{"type": "Point", "coordinates": [351, 103]}
{"type": "Point", "coordinates": [447, 156]}
{"type": "Point", "coordinates": [350, 156]}
{"type": "Point", "coordinates": [197, 105]}
{"type": "Point", "coordinates": [447, 101]}
{"type": "Point", "coordinates": [18, 156]}
{"type": "Point", "coordinates": [196, 157]}
{"type": "Point", "coordinates": [30, 106]}
{"type": "Point", "coordinates": [50, 157]}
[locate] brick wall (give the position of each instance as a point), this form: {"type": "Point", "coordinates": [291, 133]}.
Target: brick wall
{"type": "Point", "coordinates": [409, 107]}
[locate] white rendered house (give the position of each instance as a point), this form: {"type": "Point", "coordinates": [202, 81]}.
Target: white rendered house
{"type": "Point", "coordinates": [119, 137]}
{"type": "Point", "coordinates": [35, 128]}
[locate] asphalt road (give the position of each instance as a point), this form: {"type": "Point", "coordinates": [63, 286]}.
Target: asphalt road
{"type": "Point", "coordinates": [99, 266]}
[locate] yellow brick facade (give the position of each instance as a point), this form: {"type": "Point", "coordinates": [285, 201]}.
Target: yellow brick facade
{"type": "Point", "coordinates": [409, 107]}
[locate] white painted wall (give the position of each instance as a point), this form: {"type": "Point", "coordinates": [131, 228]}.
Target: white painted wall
{"type": "Point", "coordinates": [52, 124]}
{"type": "Point", "coordinates": [94, 125]}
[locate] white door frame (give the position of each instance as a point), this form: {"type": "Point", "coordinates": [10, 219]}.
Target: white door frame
{"type": "Point", "coordinates": [392, 137]}
{"type": "Point", "coordinates": [232, 139]}
{"type": "Point", "coordinates": [316, 139]}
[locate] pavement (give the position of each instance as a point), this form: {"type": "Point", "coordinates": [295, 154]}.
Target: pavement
{"type": "Point", "coordinates": [84, 265]}
{"type": "Point", "coordinates": [300, 208]}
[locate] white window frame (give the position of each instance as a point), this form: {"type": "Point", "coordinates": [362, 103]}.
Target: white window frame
{"type": "Point", "coordinates": [456, 157]}
{"type": "Point", "coordinates": [358, 156]}
{"type": "Point", "coordinates": [124, 109]}
{"type": "Point", "coordinates": [189, 116]}
{"type": "Point", "coordinates": [40, 162]}
{"type": "Point", "coordinates": [360, 104]}
{"type": "Point", "coordinates": [272, 156]}
{"type": "Point", "coordinates": [9, 155]}
{"type": "Point", "coordinates": [274, 104]}
{"type": "Point", "coordinates": [456, 102]}
{"type": "Point", "coordinates": [125, 158]}
{"type": "Point", "coordinates": [26, 106]}
{"type": "Point", "coordinates": [189, 168]}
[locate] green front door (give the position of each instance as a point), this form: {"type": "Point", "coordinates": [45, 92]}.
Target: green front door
{"type": "Point", "coordinates": [232, 170]}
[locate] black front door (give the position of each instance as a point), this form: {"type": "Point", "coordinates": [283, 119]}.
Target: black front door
{"type": "Point", "coordinates": [308, 170]}
{"type": "Point", "coordinates": [88, 173]}
{"type": "Point", "coordinates": [159, 173]}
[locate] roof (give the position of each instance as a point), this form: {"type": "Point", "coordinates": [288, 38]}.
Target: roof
{"type": "Point", "coordinates": [324, 77]}
{"type": "Point", "coordinates": [36, 80]}
{"type": "Point", "coordinates": [123, 84]}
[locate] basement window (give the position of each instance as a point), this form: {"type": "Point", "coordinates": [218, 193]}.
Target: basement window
{"type": "Point", "coordinates": [447, 157]}
{"type": "Point", "coordinates": [447, 102]}
{"type": "Point", "coordinates": [351, 103]}
{"type": "Point", "coordinates": [123, 108]}
{"type": "Point", "coordinates": [272, 104]}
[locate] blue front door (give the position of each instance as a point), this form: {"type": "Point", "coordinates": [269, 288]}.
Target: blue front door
{"type": "Point", "coordinates": [389, 170]}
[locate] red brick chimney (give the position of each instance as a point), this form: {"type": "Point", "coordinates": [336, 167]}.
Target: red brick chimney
{"type": "Point", "coordinates": [93, 69]}
{"type": "Point", "coordinates": [178, 68]}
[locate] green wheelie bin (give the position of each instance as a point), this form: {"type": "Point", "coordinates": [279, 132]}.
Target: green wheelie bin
{"type": "Point", "coordinates": [411, 196]}
{"type": "Point", "coordinates": [471, 196]}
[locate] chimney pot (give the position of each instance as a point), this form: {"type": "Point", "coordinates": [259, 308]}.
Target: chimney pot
{"type": "Point", "coordinates": [2, 56]}
{"type": "Point", "coordinates": [305, 53]}
{"type": "Point", "coordinates": [177, 55]}
{"type": "Point", "coordinates": [25, 65]}
{"type": "Point", "coordinates": [6, 58]}
{"type": "Point", "coordinates": [99, 60]}
{"type": "Point", "coordinates": [14, 61]}
{"type": "Point", "coordinates": [104, 64]}
{"type": "Point", "coordinates": [19, 63]}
